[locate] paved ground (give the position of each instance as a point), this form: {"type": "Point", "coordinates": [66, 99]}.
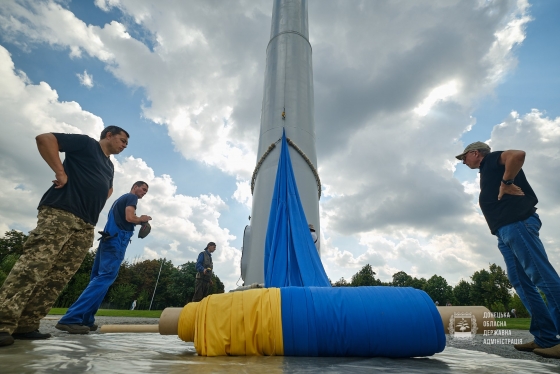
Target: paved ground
{"type": "Point", "coordinates": [477, 344]}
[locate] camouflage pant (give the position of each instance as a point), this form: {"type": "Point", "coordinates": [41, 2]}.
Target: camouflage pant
{"type": "Point", "coordinates": [52, 254]}
{"type": "Point", "coordinates": [201, 289]}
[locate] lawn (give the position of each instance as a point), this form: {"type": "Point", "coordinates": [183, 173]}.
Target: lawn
{"type": "Point", "coordinates": [515, 323]}
{"type": "Point", "coordinates": [115, 313]}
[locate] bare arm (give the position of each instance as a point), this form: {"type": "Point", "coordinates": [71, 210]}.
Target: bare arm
{"type": "Point", "coordinates": [48, 148]}
{"type": "Point", "coordinates": [131, 217]}
{"type": "Point", "coordinates": [110, 193]}
{"type": "Point", "coordinates": [513, 161]}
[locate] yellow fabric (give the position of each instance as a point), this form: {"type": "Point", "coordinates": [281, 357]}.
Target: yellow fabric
{"type": "Point", "coordinates": [185, 330]}
{"type": "Point", "coordinates": [243, 323]}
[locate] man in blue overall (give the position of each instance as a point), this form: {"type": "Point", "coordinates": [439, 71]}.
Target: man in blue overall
{"type": "Point", "coordinates": [79, 319]}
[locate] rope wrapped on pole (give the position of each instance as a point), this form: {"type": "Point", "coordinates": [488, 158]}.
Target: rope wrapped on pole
{"type": "Point", "coordinates": [301, 153]}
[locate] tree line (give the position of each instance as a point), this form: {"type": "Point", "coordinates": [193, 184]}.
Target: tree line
{"type": "Point", "coordinates": [175, 286]}
{"type": "Point", "coordinates": [136, 280]}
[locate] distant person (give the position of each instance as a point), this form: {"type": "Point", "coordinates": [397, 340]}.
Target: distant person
{"type": "Point", "coordinates": [437, 303]}
{"type": "Point", "coordinates": [204, 267]}
{"type": "Point", "coordinates": [448, 304]}
{"type": "Point", "coordinates": [508, 204]}
{"type": "Point", "coordinates": [133, 305]}
{"type": "Point", "coordinates": [68, 213]}
{"type": "Point", "coordinates": [513, 314]}
{"type": "Point", "coordinates": [314, 236]}
{"type": "Point", "coordinates": [80, 317]}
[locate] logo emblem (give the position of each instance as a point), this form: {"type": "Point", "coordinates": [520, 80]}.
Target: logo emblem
{"type": "Point", "coordinates": [462, 326]}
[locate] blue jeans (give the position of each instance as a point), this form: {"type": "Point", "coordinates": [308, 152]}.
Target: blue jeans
{"type": "Point", "coordinates": [528, 268]}
{"type": "Point", "coordinates": [108, 259]}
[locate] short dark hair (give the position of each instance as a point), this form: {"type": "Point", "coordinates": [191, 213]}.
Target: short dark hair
{"type": "Point", "coordinates": [115, 130]}
{"type": "Point", "coordinates": [139, 184]}
{"type": "Point", "coordinates": [210, 244]}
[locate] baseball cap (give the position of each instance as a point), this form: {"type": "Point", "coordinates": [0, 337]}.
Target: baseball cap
{"type": "Point", "coordinates": [473, 147]}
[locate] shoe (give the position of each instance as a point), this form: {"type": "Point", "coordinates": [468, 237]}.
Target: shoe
{"type": "Point", "coordinates": [93, 327]}
{"type": "Point", "coordinates": [6, 339]}
{"type": "Point", "coordinates": [73, 329]}
{"type": "Point", "coordinates": [527, 347]}
{"type": "Point", "coordinates": [33, 335]}
{"type": "Point", "coordinates": [552, 352]}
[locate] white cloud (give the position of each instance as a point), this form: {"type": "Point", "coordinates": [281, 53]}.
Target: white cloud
{"type": "Point", "coordinates": [393, 96]}
{"type": "Point", "coordinates": [85, 79]}
{"type": "Point", "coordinates": [181, 226]}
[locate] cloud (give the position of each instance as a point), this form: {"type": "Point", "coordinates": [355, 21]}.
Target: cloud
{"type": "Point", "coordinates": [181, 226]}
{"type": "Point", "coordinates": [85, 79]}
{"type": "Point", "coordinates": [396, 85]}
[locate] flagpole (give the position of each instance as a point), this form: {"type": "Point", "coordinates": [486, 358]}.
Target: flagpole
{"type": "Point", "coordinates": [155, 288]}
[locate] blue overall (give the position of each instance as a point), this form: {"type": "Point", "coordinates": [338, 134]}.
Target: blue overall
{"type": "Point", "coordinates": [108, 259]}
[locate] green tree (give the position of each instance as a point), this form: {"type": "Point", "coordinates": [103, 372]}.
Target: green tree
{"type": "Point", "coordinates": [462, 293]}
{"type": "Point", "coordinates": [6, 266]}
{"type": "Point", "coordinates": [122, 295]}
{"type": "Point", "coordinates": [341, 283]}
{"type": "Point", "coordinates": [438, 289]}
{"type": "Point", "coordinates": [520, 309]}
{"type": "Point", "coordinates": [402, 279]}
{"type": "Point", "coordinates": [12, 244]}
{"type": "Point", "coordinates": [365, 277]}
{"type": "Point", "coordinates": [491, 289]}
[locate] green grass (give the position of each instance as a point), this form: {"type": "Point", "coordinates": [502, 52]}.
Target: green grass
{"type": "Point", "coordinates": [115, 313]}
{"type": "Point", "coordinates": [515, 323]}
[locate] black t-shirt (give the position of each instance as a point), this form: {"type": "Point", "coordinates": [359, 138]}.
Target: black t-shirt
{"type": "Point", "coordinates": [119, 210]}
{"type": "Point", "coordinates": [90, 176]}
{"type": "Point", "coordinates": [510, 208]}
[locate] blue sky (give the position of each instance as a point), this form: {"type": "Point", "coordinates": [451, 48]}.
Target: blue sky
{"type": "Point", "coordinates": [399, 90]}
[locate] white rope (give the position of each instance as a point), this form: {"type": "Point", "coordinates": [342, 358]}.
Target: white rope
{"type": "Point", "coordinates": [302, 154]}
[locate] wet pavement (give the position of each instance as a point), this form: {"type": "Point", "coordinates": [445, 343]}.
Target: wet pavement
{"type": "Point", "coordinates": [153, 353]}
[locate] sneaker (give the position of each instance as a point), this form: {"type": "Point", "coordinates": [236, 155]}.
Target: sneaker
{"type": "Point", "coordinates": [93, 327]}
{"type": "Point", "coordinates": [552, 352]}
{"type": "Point", "coordinates": [73, 329]}
{"type": "Point", "coordinates": [526, 347]}
{"type": "Point", "coordinates": [33, 335]}
{"type": "Point", "coordinates": [6, 339]}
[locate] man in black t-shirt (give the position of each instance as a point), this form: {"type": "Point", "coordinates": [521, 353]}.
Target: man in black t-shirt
{"type": "Point", "coordinates": [110, 254]}
{"type": "Point", "coordinates": [508, 204]}
{"type": "Point", "coordinates": [68, 213]}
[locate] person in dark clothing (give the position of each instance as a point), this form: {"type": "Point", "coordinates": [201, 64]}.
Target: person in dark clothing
{"type": "Point", "coordinates": [508, 204]}
{"type": "Point", "coordinates": [110, 254]}
{"type": "Point", "coordinates": [68, 213]}
{"type": "Point", "coordinates": [204, 267]}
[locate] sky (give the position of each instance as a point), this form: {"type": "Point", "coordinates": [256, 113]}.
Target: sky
{"type": "Point", "coordinates": [401, 87]}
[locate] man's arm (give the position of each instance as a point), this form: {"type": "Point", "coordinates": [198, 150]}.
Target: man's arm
{"type": "Point", "coordinates": [199, 262]}
{"type": "Point", "coordinates": [49, 148]}
{"type": "Point", "coordinates": [513, 161]}
{"type": "Point", "coordinates": [130, 214]}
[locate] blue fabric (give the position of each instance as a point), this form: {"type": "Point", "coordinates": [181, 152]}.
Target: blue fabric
{"type": "Point", "coordinates": [106, 265]}
{"type": "Point", "coordinates": [200, 261]}
{"type": "Point", "coordinates": [360, 321]}
{"type": "Point", "coordinates": [528, 267]}
{"type": "Point", "coordinates": [291, 258]}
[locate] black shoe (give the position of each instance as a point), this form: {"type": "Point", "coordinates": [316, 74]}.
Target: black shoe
{"type": "Point", "coordinates": [6, 339]}
{"type": "Point", "coordinates": [73, 329]}
{"type": "Point", "coordinates": [33, 335]}
{"type": "Point", "coordinates": [93, 327]}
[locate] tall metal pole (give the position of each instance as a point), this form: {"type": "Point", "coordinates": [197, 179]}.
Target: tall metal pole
{"type": "Point", "coordinates": [157, 280]}
{"type": "Point", "coordinates": [288, 104]}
